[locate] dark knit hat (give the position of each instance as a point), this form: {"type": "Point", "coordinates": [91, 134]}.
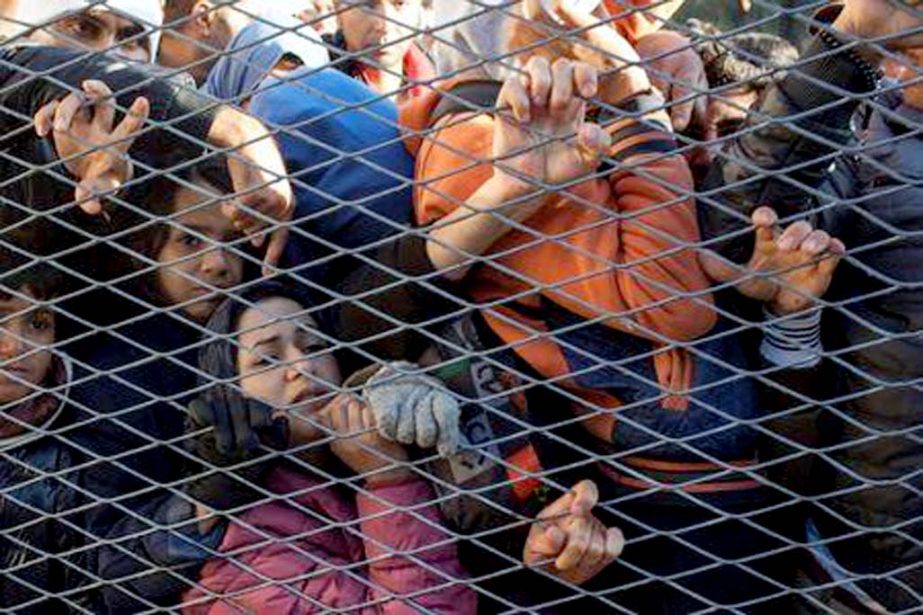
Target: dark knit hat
{"type": "Point", "coordinates": [752, 59]}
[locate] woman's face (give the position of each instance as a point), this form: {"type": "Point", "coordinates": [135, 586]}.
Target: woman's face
{"type": "Point", "coordinates": [195, 266]}
{"type": "Point", "coordinates": [281, 360]}
{"type": "Point", "coordinates": [381, 28]}
{"type": "Point", "coordinates": [26, 331]}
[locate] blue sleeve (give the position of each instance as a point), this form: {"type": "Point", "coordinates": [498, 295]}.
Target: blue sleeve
{"type": "Point", "coordinates": [351, 172]}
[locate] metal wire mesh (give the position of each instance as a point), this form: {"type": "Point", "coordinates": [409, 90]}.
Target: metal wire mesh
{"type": "Point", "coordinates": [558, 271]}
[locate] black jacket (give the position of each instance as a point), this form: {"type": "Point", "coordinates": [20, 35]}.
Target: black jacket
{"type": "Point", "coordinates": [802, 155]}
{"type": "Point", "coordinates": [143, 543]}
{"type": "Point", "coordinates": [31, 179]}
{"type": "Point", "coordinates": [40, 533]}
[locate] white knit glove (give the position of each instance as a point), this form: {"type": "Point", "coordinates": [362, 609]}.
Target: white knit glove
{"type": "Point", "coordinates": [412, 408]}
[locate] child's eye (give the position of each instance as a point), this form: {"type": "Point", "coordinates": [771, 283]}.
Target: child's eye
{"type": "Point", "coordinates": [264, 360]}
{"type": "Point", "coordinates": [40, 322]}
{"type": "Point", "coordinates": [80, 27]}
{"type": "Point", "coordinates": [308, 344]}
{"type": "Point", "coordinates": [190, 241]}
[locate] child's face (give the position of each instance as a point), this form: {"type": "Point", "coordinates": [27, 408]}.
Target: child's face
{"type": "Point", "coordinates": [195, 268]}
{"type": "Point", "coordinates": [377, 25]}
{"type": "Point", "coordinates": [25, 329]}
{"type": "Point", "coordinates": [281, 362]}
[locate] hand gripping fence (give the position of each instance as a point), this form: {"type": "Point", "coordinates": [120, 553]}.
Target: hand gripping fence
{"type": "Point", "coordinates": [665, 295]}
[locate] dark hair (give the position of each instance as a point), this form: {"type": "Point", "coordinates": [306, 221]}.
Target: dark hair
{"type": "Point", "coordinates": [751, 59]}
{"type": "Point", "coordinates": [158, 198]}
{"type": "Point", "coordinates": [19, 272]}
{"type": "Point", "coordinates": [174, 10]}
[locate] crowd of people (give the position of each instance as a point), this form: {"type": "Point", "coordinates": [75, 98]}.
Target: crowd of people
{"type": "Point", "coordinates": [407, 306]}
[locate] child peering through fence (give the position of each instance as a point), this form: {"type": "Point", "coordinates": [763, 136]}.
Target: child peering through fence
{"type": "Point", "coordinates": [35, 379]}
{"type": "Point", "coordinates": [375, 544]}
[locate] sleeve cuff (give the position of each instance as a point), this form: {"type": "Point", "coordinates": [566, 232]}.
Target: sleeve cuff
{"type": "Point", "coordinates": [792, 341]}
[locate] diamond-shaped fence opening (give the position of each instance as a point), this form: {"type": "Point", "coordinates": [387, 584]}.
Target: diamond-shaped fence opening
{"type": "Point", "coordinates": [470, 306]}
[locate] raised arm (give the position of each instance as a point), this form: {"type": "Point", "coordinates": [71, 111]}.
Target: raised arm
{"type": "Point", "coordinates": [784, 152]}
{"type": "Point", "coordinates": [184, 124]}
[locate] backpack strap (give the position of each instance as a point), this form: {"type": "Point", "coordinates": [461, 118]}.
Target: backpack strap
{"type": "Point", "coordinates": [467, 97]}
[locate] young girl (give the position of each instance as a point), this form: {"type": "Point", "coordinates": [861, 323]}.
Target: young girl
{"type": "Point", "coordinates": [315, 544]}
{"type": "Point", "coordinates": [185, 256]}
{"type": "Point", "coordinates": [34, 383]}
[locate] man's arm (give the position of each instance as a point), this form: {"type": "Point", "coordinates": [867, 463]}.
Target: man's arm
{"type": "Point", "coordinates": [783, 153]}
{"type": "Point", "coordinates": [183, 122]}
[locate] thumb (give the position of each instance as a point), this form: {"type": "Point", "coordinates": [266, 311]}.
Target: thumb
{"type": "Point", "coordinates": [82, 194]}
{"type": "Point", "coordinates": [681, 113]}
{"type": "Point", "coordinates": [586, 496]}
{"type": "Point", "coordinates": [828, 265]}
{"type": "Point", "coordinates": [615, 542]}
{"type": "Point", "coordinates": [764, 220]}
{"type": "Point", "coordinates": [546, 544]}
{"type": "Point", "coordinates": [594, 143]}
{"type": "Point", "coordinates": [274, 251]}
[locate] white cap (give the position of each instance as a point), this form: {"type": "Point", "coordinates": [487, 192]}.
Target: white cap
{"type": "Point", "coordinates": [581, 6]}
{"type": "Point", "coordinates": [146, 13]}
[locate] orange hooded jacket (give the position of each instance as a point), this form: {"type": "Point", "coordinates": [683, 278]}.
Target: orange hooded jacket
{"type": "Point", "coordinates": [618, 252]}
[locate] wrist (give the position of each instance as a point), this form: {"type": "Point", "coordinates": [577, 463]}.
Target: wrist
{"type": "Point", "coordinates": [388, 478]}
{"type": "Point", "coordinates": [623, 84]}
{"type": "Point", "coordinates": [232, 128]}
{"type": "Point", "coordinates": [503, 188]}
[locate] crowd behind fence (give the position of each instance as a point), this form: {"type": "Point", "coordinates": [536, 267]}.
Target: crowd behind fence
{"type": "Point", "coordinates": [472, 306]}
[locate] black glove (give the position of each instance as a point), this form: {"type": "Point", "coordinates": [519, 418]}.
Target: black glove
{"type": "Point", "coordinates": [240, 433]}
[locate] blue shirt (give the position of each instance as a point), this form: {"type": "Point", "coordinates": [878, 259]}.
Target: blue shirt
{"type": "Point", "coordinates": [351, 173]}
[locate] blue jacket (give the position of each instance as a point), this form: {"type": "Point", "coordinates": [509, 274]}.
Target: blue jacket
{"type": "Point", "coordinates": [30, 536]}
{"type": "Point", "coordinates": [350, 170]}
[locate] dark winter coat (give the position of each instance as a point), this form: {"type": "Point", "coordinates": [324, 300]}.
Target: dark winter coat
{"type": "Point", "coordinates": [872, 201]}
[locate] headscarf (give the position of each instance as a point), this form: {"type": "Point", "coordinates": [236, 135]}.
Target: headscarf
{"type": "Point", "coordinates": [255, 51]}
{"type": "Point", "coordinates": [39, 13]}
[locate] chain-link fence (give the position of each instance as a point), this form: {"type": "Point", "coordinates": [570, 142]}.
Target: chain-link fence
{"type": "Point", "coordinates": [484, 305]}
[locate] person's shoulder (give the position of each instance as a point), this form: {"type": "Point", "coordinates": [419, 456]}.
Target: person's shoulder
{"type": "Point", "coordinates": [309, 92]}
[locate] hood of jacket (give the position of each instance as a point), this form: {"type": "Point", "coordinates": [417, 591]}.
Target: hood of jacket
{"type": "Point", "coordinates": [254, 53]}
{"type": "Point", "coordinates": [48, 404]}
